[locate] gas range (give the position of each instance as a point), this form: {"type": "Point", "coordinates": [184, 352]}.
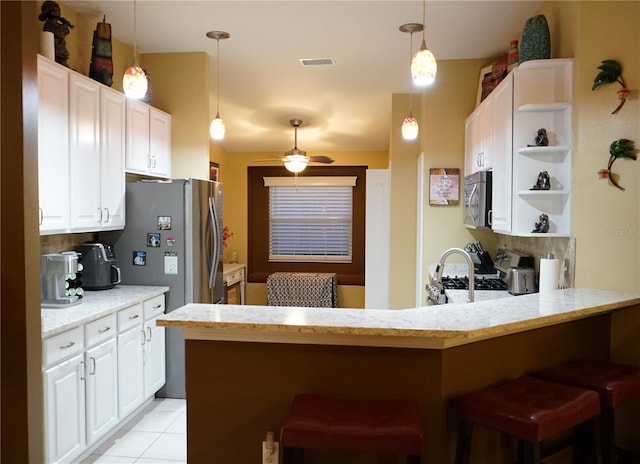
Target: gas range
{"type": "Point", "coordinates": [480, 283]}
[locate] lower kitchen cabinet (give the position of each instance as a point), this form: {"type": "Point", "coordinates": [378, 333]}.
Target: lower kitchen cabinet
{"type": "Point", "coordinates": [98, 374]}
{"type": "Point", "coordinates": [64, 410]}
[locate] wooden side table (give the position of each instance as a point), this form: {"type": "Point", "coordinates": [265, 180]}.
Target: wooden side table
{"type": "Point", "coordinates": [234, 276]}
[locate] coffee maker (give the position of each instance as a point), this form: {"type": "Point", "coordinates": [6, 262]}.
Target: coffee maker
{"type": "Point", "coordinates": [56, 269]}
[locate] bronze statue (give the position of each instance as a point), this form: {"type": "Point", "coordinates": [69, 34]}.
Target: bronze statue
{"type": "Point", "coordinates": [53, 22]}
{"type": "Point", "coordinates": [543, 182]}
{"type": "Point", "coordinates": [542, 227]}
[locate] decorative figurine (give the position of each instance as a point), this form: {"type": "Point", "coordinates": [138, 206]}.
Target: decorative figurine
{"type": "Point", "coordinates": [53, 22]}
{"type": "Point", "coordinates": [101, 67]}
{"type": "Point", "coordinates": [542, 227]}
{"type": "Point", "coordinates": [543, 182]}
{"type": "Point", "coordinates": [621, 148]}
{"type": "Point", "coordinates": [611, 71]}
{"type": "Point", "coordinates": [542, 140]}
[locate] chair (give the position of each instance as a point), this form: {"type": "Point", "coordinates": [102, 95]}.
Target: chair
{"type": "Point", "coordinates": [378, 426]}
{"type": "Point", "coordinates": [531, 410]}
{"type": "Point", "coordinates": [615, 383]}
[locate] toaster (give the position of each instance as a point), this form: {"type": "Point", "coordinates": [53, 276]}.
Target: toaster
{"type": "Point", "coordinates": [521, 280]}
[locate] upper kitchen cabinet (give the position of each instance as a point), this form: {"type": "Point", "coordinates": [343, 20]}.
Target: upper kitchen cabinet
{"type": "Point", "coordinates": [53, 147]}
{"type": "Point", "coordinates": [542, 100]}
{"type": "Point", "coordinates": [96, 152]}
{"type": "Point", "coordinates": [148, 149]}
{"type": "Point", "coordinates": [478, 138]}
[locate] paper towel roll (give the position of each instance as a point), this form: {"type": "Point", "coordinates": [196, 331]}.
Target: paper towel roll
{"type": "Point", "coordinates": [47, 49]}
{"type": "Point", "coordinates": [549, 273]}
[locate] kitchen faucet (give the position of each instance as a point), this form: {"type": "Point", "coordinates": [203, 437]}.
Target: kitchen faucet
{"type": "Point", "coordinates": [472, 273]}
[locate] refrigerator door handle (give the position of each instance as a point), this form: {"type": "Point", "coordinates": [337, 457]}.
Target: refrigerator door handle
{"type": "Point", "coordinates": [215, 253]}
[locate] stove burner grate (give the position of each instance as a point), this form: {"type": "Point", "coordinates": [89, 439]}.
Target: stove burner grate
{"type": "Point", "coordinates": [462, 283]}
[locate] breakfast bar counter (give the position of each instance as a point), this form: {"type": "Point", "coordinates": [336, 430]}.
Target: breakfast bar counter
{"type": "Point", "coordinates": [244, 364]}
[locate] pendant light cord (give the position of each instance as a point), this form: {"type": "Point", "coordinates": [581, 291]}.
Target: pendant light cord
{"type": "Point", "coordinates": [424, 20]}
{"type": "Point", "coordinates": [218, 79]}
{"type": "Point", "coordinates": [411, 80]}
{"type": "Point", "coordinates": [135, 35]}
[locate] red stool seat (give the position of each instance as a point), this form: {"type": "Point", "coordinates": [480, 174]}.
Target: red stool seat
{"type": "Point", "coordinates": [380, 426]}
{"type": "Point", "coordinates": [528, 409]}
{"type": "Point", "coordinates": [615, 383]}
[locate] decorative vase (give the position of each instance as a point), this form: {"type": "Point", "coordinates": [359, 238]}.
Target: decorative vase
{"type": "Point", "coordinates": [536, 40]}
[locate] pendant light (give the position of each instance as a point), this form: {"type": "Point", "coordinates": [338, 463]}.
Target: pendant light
{"type": "Point", "coordinates": [423, 65]}
{"type": "Point", "coordinates": [410, 126]}
{"type": "Point", "coordinates": [217, 129]}
{"type": "Point", "coordinates": [134, 81]}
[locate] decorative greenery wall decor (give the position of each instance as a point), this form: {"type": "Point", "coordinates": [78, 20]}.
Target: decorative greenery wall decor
{"type": "Point", "coordinates": [611, 71]}
{"type": "Point", "coordinates": [621, 148]}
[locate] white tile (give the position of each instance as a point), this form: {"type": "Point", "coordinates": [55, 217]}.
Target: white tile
{"type": "Point", "coordinates": [179, 425]}
{"type": "Point", "coordinates": [168, 404]}
{"type": "Point", "coordinates": [170, 446]}
{"type": "Point", "coordinates": [161, 461]}
{"type": "Point", "coordinates": [129, 444]}
{"type": "Point", "coordinates": [152, 421]}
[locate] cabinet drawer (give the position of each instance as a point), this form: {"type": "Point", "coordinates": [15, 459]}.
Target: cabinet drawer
{"type": "Point", "coordinates": [130, 317]}
{"type": "Point", "coordinates": [101, 329]}
{"type": "Point", "coordinates": [154, 307]}
{"type": "Point", "coordinates": [233, 277]}
{"type": "Point", "coordinates": [62, 346]}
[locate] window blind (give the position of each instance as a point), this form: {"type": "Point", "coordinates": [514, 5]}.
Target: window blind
{"type": "Point", "coordinates": [310, 223]}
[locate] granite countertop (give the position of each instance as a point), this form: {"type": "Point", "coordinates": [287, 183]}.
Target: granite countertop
{"type": "Point", "coordinates": [436, 327]}
{"type": "Point", "coordinates": [95, 305]}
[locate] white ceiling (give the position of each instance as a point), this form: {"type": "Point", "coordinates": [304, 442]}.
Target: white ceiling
{"type": "Point", "coordinates": [262, 83]}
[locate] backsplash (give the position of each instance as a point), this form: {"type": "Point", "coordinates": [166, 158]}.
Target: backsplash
{"type": "Point", "coordinates": [563, 248]}
{"type": "Point", "coordinates": [63, 242]}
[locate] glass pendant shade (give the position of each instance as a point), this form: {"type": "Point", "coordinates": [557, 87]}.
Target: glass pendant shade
{"type": "Point", "coordinates": [424, 66]}
{"type": "Point", "coordinates": [134, 82]}
{"type": "Point", "coordinates": [217, 129]}
{"type": "Point", "coordinates": [296, 163]}
{"type": "Point", "coordinates": [410, 127]}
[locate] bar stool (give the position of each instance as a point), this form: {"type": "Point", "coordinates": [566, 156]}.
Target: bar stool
{"type": "Point", "coordinates": [615, 383]}
{"type": "Point", "coordinates": [378, 426]}
{"type": "Point", "coordinates": [530, 410]}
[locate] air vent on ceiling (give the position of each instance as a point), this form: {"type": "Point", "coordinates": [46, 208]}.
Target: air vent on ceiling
{"type": "Point", "coordinates": [317, 62]}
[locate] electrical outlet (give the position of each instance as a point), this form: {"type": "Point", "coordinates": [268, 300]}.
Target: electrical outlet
{"type": "Point", "coordinates": [270, 456]}
{"type": "Point", "coordinates": [270, 450]}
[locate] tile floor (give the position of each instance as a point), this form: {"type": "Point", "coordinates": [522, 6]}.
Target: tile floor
{"type": "Point", "coordinates": [157, 435]}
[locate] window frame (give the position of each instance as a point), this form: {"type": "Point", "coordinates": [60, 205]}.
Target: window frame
{"type": "Point", "coordinates": [258, 265]}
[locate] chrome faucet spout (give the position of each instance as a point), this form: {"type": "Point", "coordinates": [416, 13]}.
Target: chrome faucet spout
{"type": "Point", "coordinates": [472, 273]}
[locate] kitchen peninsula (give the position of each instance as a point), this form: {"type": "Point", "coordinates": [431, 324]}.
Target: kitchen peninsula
{"type": "Point", "coordinates": [245, 363]}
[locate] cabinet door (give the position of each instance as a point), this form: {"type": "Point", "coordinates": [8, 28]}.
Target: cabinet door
{"type": "Point", "coordinates": [502, 155]}
{"type": "Point", "coordinates": [112, 178]}
{"type": "Point", "coordinates": [137, 151]}
{"type": "Point", "coordinates": [84, 153]}
{"type": "Point", "coordinates": [471, 129]}
{"type": "Point", "coordinates": [64, 410]}
{"type": "Point", "coordinates": [130, 372]}
{"type": "Point", "coordinates": [102, 389]}
{"type": "Point", "coordinates": [160, 142]}
{"type": "Point", "coordinates": [154, 358]}
{"type": "Point", "coordinates": [53, 147]}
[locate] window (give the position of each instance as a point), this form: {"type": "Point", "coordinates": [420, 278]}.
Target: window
{"type": "Point", "coordinates": [310, 218]}
{"type": "Point", "coordinates": [312, 224]}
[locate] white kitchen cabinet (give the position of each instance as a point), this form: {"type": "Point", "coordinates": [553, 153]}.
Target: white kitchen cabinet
{"type": "Point", "coordinates": [154, 346]}
{"type": "Point", "coordinates": [53, 147]}
{"type": "Point", "coordinates": [478, 138]}
{"type": "Point", "coordinates": [130, 359]}
{"type": "Point", "coordinates": [148, 147]}
{"type": "Point", "coordinates": [542, 99]}
{"type": "Point", "coordinates": [64, 393]}
{"type": "Point", "coordinates": [101, 376]}
{"type": "Point", "coordinates": [501, 157]}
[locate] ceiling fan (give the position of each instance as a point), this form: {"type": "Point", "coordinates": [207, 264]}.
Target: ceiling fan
{"type": "Point", "coordinates": [295, 160]}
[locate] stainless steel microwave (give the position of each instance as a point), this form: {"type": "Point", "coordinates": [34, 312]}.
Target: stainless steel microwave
{"type": "Point", "coordinates": [477, 200]}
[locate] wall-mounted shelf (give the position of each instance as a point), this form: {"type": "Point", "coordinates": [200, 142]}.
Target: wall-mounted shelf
{"type": "Point", "coordinates": [536, 107]}
{"type": "Point", "coordinates": [556, 149]}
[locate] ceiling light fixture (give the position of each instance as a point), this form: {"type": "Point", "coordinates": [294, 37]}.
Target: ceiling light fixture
{"type": "Point", "coordinates": [423, 65]}
{"type": "Point", "coordinates": [134, 81]}
{"type": "Point", "coordinates": [296, 160]}
{"type": "Point", "coordinates": [217, 129]}
{"type": "Point", "coordinates": [410, 126]}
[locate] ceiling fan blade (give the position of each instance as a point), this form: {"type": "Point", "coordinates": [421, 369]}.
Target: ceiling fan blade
{"type": "Point", "coordinates": [321, 159]}
{"type": "Point", "coordinates": [270, 160]}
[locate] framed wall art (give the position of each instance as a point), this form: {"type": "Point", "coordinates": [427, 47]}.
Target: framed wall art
{"type": "Point", "coordinates": [214, 171]}
{"type": "Point", "coordinates": [444, 186]}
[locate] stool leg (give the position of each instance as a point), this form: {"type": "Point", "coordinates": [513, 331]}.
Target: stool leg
{"type": "Point", "coordinates": [608, 436]}
{"type": "Point", "coordinates": [292, 455]}
{"type": "Point", "coordinates": [586, 447]}
{"type": "Point", "coordinates": [414, 459]}
{"type": "Point", "coordinates": [463, 446]}
{"type": "Point", "coordinates": [531, 452]}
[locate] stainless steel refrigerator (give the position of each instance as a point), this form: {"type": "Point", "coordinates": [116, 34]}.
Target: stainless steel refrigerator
{"type": "Point", "coordinates": [173, 237]}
